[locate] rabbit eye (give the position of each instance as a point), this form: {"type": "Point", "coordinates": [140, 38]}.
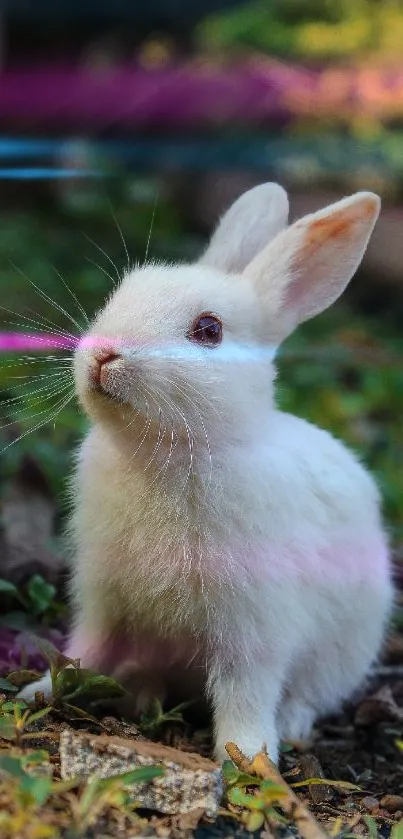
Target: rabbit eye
{"type": "Point", "coordinates": [206, 330]}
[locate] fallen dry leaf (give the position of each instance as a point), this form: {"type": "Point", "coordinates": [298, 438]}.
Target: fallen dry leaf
{"type": "Point", "coordinates": [392, 803]}
{"type": "Point", "coordinates": [380, 707]}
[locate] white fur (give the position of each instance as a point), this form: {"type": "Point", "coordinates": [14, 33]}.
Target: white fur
{"type": "Point", "coordinates": [252, 221]}
{"type": "Point", "coordinates": [229, 542]}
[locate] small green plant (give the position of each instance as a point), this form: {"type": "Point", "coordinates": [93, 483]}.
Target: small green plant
{"type": "Point", "coordinates": [38, 599]}
{"type": "Point", "coordinates": [155, 717]}
{"type": "Point", "coordinates": [252, 800]}
{"type": "Point", "coordinates": [15, 718]}
{"type": "Point", "coordinates": [255, 800]}
{"type": "Point", "coordinates": [26, 794]}
{"type": "Point", "coordinates": [74, 686]}
{"type": "Point", "coordinates": [30, 788]}
{"type": "Point", "coordinates": [100, 794]}
{"type": "Point", "coordinates": [38, 595]}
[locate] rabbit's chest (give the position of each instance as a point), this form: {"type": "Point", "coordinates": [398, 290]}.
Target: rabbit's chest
{"type": "Point", "coordinates": [188, 577]}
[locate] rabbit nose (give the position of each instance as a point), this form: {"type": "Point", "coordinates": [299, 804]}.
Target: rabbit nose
{"type": "Point", "coordinates": [101, 360]}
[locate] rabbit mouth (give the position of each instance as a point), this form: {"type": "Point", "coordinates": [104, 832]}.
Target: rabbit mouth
{"type": "Point", "coordinates": [106, 377]}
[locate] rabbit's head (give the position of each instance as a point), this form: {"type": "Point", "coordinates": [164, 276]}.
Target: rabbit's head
{"type": "Point", "coordinates": [187, 351]}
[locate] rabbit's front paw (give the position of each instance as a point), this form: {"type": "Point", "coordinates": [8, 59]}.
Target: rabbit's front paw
{"type": "Point", "coordinates": [43, 685]}
{"type": "Point", "coordinates": [244, 703]}
{"type": "Point", "coordinates": [250, 744]}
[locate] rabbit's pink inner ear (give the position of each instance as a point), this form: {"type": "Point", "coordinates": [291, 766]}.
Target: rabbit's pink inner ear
{"type": "Point", "coordinates": [329, 252]}
{"type": "Point", "coordinates": [308, 265]}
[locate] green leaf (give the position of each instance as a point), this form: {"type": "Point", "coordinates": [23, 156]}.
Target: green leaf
{"type": "Point", "coordinates": [397, 831]}
{"type": "Point", "coordinates": [230, 772]}
{"type": "Point", "coordinates": [275, 816]}
{"type": "Point", "coordinates": [59, 787]}
{"type": "Point", "coordinates": [38, 788]}
{"type": "Point", "coordinates": [372, 827]}
{"type": "Point", "coordinates": [267, 793]}
{"type": "Point", "coordinates": [155, 716]}
{"type": "Point", "coordinates": [79, 712]}
{"type": "Point", "coordinates": [6, 685]}
{"type": "Point", "coordinates": [152, 717]}
{"type": "Point", "coordinates": [253, 820]}
{"type": "Point", "coordinates": [8, 705]}
{"type": "Point", "coordinates": [181, 707]}
{"type": "Point", "coordinates": [7, 728]}
{"type": "Point", "coordinates": [339, 784]}
{"type": "Point", "coordinates": [92, 789]}
{"type": "Point", "coordinates": [38, 715]}
{"type": "Point", "coordinates": [286, 747]}
{"type": "Point", "coordinates": [245, 780]}
{"type": "Point", "coordinates": [97, 786]}
{"type": "Point", "coordinates": [17, 620]}
{"type": "Point", "coordinates": [243, 799]}
{"type": "Point", "coordinates": [41, 594]}
{"type": "Point", "coordinates": [72, 683]}
{"type": "Point", "coordinates": [6, 587]}
{"type": "Point", "coordinates": [141, 775]}
{"type": "Point", "coordinates": [272, 791]}
{"type": "Point", "coordinates": [12, 765]}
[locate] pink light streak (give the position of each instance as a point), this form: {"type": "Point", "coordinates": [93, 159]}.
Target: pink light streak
{"type": "Point", "coordinates": [24, 342]}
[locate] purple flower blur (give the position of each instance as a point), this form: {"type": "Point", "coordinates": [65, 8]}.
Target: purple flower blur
{"type": "Point", "coordinates": [18, 649]}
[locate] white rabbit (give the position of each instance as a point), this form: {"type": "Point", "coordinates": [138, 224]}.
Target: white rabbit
{"type": "Point", "coordinates": [217, 539]}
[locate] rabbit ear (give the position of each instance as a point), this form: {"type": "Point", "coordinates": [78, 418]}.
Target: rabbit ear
{"type": "Point", "coordinates": [308, 265]}
{"type": "Point", "coordinates": [252, 221]}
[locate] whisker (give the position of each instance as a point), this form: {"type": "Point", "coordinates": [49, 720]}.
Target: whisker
{"type": "Point", "coordinates": [151, 228]}
{"type": "Point", "coordinates": [158, 443]}
{"type": "Point", "coordinates": [39, 376]}
{"type": "Point", "coordinates": [175, 409]}
{"type": "Point", "coordinates": [26, 360]}
{"type": "Point", "coordinates": [48, 299]}
{"type": "Point", "coordinates": [50, 387]}
{"type": "Point", "coordinates": [38, 324]}
{"type": "Point", "coordinates": [56, 413]}
{"type": "Point", "coordinates": [22, 387]}
{"type": "Point", "coordinates": [72, 294]}
{"type": "Point", "coordinates": [144, 435]}
{"type": "Point", "coordinates": [47, 387]}
{"type": "Point", "coordinates": [55, 326]}
{"type": "Point", "coordinates": [165, 465]}
{"type": "Point", "coordinates": [120, 234]}
{"type": "Point", "coordinates": [103, 270]}
{"type": "Point", "coordinates": [24, 418]}
{"type": "Point", "coordinates": [198, 393]}
{"type": "Point", "coordinates": [185, 396]}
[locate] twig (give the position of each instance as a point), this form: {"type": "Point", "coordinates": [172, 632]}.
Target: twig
{"type": "Point", "coordinates": [311, 768]}
{"type": "Point", "coordinates": [262, 766]}
{"type": "Point", "coordinates": [238, 757]}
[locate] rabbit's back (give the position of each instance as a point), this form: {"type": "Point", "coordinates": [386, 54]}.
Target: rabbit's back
{"type": "Point", "coordinates": [320, 486]}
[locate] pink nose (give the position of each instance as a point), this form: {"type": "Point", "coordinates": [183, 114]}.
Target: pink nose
{"type": "Point", "coordinates": [101, 358]}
